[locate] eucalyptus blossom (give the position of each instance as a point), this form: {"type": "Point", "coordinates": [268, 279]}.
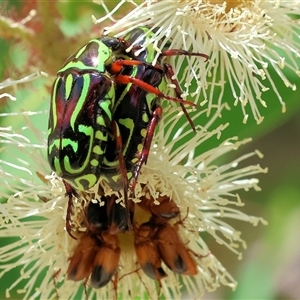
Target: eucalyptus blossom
{"type": "Point", "coordinates": [34, 207]}
{"type": "Point", "coordinates": [249, 42]}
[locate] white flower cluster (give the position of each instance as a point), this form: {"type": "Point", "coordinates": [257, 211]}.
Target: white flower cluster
{"type": "Point", "coordinates": [244, 40]}
{"type": "Point", "coordinates": [35, 207]}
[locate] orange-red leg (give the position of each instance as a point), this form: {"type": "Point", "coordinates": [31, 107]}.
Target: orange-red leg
{"type": "Point", "coordinates": [125, 79]}
{"type": "Point", "coordinates": [118, 65]}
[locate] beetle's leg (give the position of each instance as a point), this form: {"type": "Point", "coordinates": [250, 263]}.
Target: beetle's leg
{"type": "Point", "coordinates": [125, 79]}
{"type": "Point", "coordinates": [126, 45]}
{"type": "Point", "coordinates": [85, 288]}
{"type": "Point", "coordinates": [118, 65]}
{"type": "Point", "coordinates": [157, 113]}
{"type": "Point", "coordinates": [123, 170]}
{"type": "Point", "coordinates": [70, 192]}
{"type": "Point", "coordinates": [140, 279]}
{"type": "Point", "coordinates": [177, 52]}
{"type": "Point", "coordinates": [55, 275]}
{"type": "Point", "coordinates": [170, 74]}
{"type": "Point", "coordinates": [114, 282]}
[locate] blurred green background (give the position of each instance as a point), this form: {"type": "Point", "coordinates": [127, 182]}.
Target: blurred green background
{"type": "Point", "coordinates": [270, 268]}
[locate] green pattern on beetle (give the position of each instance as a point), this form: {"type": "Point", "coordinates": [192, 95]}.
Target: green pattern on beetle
{"type": "Point", "coordinates": [83, 96]}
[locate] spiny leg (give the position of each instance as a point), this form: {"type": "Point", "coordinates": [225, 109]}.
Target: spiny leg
{"type": "Point", "coordinates": [123, 170]}
{"type": "Point", "coordinates": [157, 113]}
{"type": "Point", "coordinates": [177, 52]}
{"type": "Point", "coordinates": [55, 275]}
{"type": "Point", "coordinates": [70, 192]}
{"type": "Point", "coordinates": [170, 74]}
